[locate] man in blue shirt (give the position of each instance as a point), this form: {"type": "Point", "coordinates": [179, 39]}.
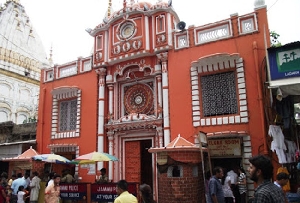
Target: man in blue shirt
{"type": "Point", "coordinates": [16, 184]}
{"type": "Point", "coordinates": [215, 191]}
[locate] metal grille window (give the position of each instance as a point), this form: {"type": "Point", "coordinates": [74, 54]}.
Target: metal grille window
{"type": "Point", "coordinates": [219, 94]}
{"type": "Point", "coordinates": [68, 115]}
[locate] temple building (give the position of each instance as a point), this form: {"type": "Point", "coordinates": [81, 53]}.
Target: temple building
{"type": "Point", "coordinates": [22, 57]}
{"type": "Point", "coordinates": [148, 80]}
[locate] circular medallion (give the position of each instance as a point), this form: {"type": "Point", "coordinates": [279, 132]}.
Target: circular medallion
{"type": "Point", "coordinates": [127, 30]}
{"type": "Point", "coordinates": [138, 99]}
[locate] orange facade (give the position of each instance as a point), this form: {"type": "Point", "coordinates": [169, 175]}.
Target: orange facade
{"type": "Point", "coordinates": [149, 81]}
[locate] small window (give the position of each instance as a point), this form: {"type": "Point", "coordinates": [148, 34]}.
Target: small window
{"type": "Point", "coordinates": [175, 171]}
{"type": "Point", "coordinates": [99, 42]}
{"type": "Point", "coordinates": [68, 115]}
{"type": "Point", "coordinates": [160, 24]}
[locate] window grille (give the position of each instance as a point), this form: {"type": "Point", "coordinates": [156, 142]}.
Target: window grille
{"type": "Point", "coordinates": [219, 94]}
{"type": "Point", "coordinates": [68, 115]}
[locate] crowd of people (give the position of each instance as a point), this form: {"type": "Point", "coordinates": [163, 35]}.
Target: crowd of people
{"type": "Point", "coordinates": [222, 187]}
{"type": "Point", "coordinates": [231, 187]}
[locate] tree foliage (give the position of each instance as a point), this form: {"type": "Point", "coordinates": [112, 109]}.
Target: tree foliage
{"type": "Point", "coordinates": [274, 39]}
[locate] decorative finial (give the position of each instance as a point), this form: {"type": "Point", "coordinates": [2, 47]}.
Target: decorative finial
{"type": "Point", "coordinates": [50, 58]}
{"type": "Point", "coordinates": [259, 3]}
{"type": "Point", "coordinates": [109, 9]}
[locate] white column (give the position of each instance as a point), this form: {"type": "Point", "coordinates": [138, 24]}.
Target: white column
{"type": "Point", "coordinates": [101, 96]}
{"type": "Point", "coordinates": [163, 57]}
{"type": "Point", "coordinates": [110, 135]}
{"type": "Point", "coordinates": [159, 97]}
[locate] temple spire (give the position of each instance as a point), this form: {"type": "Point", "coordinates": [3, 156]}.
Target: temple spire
{"type": "Point", "coordinates": [109, 9]}
{"type": "Point", "coordinates": [50, 58]}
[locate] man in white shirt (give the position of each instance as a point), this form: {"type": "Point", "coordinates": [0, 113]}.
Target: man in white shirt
{"type": "Point", "coordinates": [234, 186]}
{"type": "Point", "coordinates": [35, 188]}
{"type": "Point", "coordinates": [281, 179]}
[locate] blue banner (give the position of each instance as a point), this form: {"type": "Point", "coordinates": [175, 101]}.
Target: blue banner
{"type": "Point", "coordinates": [284, 62]}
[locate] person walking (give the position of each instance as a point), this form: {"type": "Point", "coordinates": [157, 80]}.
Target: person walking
{"type": "Point", "coordinates": [34, 188]}
{"type": "Point", "coordinates": [146, 194]}
{"type": "Point", "coordinates": [215, 191]}
{"type": "Point", "coordinates": [123, 195]}
{"type": "Point", "coordinates": [20, 181]}
{"type": "Point", "coordinates": [261, 171]}
{"type": "Point", "coordinates": [281, 179]}
{"type": "Point", "coordinates": [226, 186]}
{"type": "Point", "coordinates": [242, 183]}
{"type": "Point", "coordinates": [3, 195]}
{"type": "Point", "coordinates": [52, 191]}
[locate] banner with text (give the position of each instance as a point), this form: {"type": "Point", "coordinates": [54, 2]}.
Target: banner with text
{"type": "Point", "coordinates": [225, 147]}
{"type": "Point", "coordinates": [73, 191]}
{"type": "Point", "coordinates": [107, 192]}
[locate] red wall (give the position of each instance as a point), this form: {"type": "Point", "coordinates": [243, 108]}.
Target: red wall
{"type": "Point", "coordinates": [180, 83]}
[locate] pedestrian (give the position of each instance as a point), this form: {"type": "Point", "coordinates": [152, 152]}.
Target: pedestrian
{"type": "Point", "coordinates": [233, 173]}
{"type": "Point", "coordinates": [226, 186]}
{"type": "Point", "coordinates": [13, 177]}
{"type": "Point", "coordinates": [20, 181]}
{"type": "Point", "coordinates": [34, 188]}
{"type": "Point", "coordinates": [261, 171]}
{"type": "Point", "coordinates": [50, 180]}
{"type": "Point", "coordinates": [146, 194]}
{"type": "Point", "coordinates": [242, 183]}
{"type": "Point", "coordinates": [67, 178]}
{"type": "Point", "coordinates": [21, 194]}
{"type": "Point", "coordinates": [52, 191]}
{"type": "Point", "coordinates": [2, 194]}
{"type": "Point", "coordinates": [215, 191]}
{"type": "Point", "coordinates": [103, 177]}
{"type": "Point", "coordinates": [123, 195]}
{"type": "Point", "coordinates": [281, 179]}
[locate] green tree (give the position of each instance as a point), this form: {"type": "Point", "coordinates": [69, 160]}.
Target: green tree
{"type": "Point", "coordinates": [274, 39]}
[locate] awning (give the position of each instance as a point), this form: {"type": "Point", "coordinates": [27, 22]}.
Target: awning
{"type": "Point", "coordinates": [20, 142]}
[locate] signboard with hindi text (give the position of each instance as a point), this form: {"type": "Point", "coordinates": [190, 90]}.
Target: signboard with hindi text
{"type": "Point", "coordinates": [107, 192]}
{"type": "Point", "coordinates": [224, 147]}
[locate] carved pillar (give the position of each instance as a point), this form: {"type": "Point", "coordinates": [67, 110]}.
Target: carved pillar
{"type": "Point", "coordinates": [160, 137]}
{"type": "Point", "coordinates": [159, 96]}
{"type": "Point", "coordinates": [110, 135]}
{"type": "Point", "coordinates": [163, 57]}
{"type": "Point", "coordinates": [110, 99]}
{"type": "Point", "coordinates": [101, 96]}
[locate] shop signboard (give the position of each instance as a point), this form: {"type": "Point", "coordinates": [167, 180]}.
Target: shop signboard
{"type": "Point", "coordinates": [284, 62]}
{"type": "Point", "coordinates": [73, 191]}
{"type": "Point", "coordinates": [225, 147]}
{"type": "Point", "coordinates": [108, 192]}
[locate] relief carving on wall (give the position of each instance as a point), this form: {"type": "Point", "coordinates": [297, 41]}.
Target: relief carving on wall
{"type": "Point", "coordinates": [138, 99]}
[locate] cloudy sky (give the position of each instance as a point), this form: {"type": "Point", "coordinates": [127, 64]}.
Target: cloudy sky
{"type": "Point", "coordinates": [62, 23]}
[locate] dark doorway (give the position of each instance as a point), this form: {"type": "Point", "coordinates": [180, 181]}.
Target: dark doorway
{"type": "Point", "coordinates": [227, 163]}
{"type": "Point", "coordinates": [4, 167]}
{"type": "Point", "coordinates": [146, 163]}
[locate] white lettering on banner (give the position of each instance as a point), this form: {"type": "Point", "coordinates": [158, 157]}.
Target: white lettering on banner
{"type": "Point", "coordinates": [64, 187]}
{"type": "Point", "coordinates": [225, 147]}
{"type": "Point", "coordinates": [73, 187]}
{"type": "Point", "coordinates": [106, 189]}
{"type": "Point", "coordinates": [73, 194]}
{"type": "Point", "coordinates": [104, 196]}
{"type": "Point", "coordinates": [64, 194]}
{"type": "Point", "coordinates": [292, 73]}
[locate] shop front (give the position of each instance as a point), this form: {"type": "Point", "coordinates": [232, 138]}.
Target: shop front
{"type": "Point", "coordinates": [283, 70]}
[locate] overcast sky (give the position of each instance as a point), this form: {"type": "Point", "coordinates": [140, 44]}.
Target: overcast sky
{"type": "Point", "coordinates": [62, 23]}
